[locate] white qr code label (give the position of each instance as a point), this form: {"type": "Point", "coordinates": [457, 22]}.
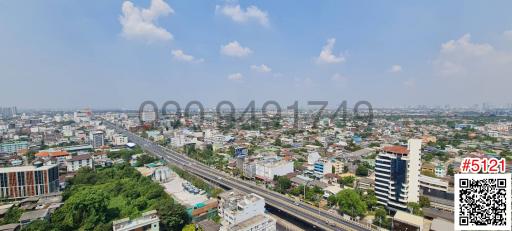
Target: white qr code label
{"type": "Point", "coordinates": [482, 202]}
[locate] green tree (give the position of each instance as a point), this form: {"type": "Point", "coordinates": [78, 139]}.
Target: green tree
{"type": "Point", "coordinates": [84, 209]}
{"type": "Point", "coordinates": [277, 142]}
{"type": "Point", "coordinates": [39, 225]}
{"type": "Point", "coordinates": [450, 171]}
{"type": "Point", "coordinates": [332, 200]}
{"type": "Point", "coordinates": [283, 184]}
{"type": "Point", "coordinates": [381, 218]}
{"type": "Point", "coordinates": [351, 203]}
{"type": "Point", "coordinates": [427, 157]}
{"type": "Point", "coordinates": [12, 216]}
{"type": "Point", "coordinates": [370, 199]}
{"type": "Point", "coordinates": [145, 159]}
{"type": "Point", "coordinates": [189, 227]}
{"type": "Point", "coordinates": [85, 175]}
{"type": "Point", "coordinates": [30, 155]}
{"type": "Point", "coordinates": [172, 216]}
{"type": "Point", "coordinates": [347, 181]}
{"type": "Point", "coordinates": [415, 208]}
{"type": "Point", "coordinates": [424, 201]}
{"type": "Point", "coordinates": [362, 170]}
{"type": "Point", "coordinates": [297, 164]}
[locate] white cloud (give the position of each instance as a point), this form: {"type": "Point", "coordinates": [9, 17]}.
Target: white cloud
{"type": "Point", "coordinates": [395, 68]}
{"type": "Point", "coordinates": [508, 34]}
{"type": "Point", "coordinates": [464, 46]}
{"type": "Point", "coordinates": [410, 83]}
{"type": "Point", "coordinates": [235, 77]}
{"type": "Point", "coordinates": [239, 15]}
{"type": "Point", "coordinates": [181, 56]}
{"type": "Point", "coordinates": [338, 77]}
{"type": "Point", "coordinates": [456, 56]}
{"type": "Point", "coordinates": [326, 55]}
{"type": "Point", "coordinates": [139, 23]}
{"type": "Point", "coordinates": [474, 72]}
{"type": "Point", "coordinates": [261, 68]}
{"type": "Point", "coordinates": [235, 49]}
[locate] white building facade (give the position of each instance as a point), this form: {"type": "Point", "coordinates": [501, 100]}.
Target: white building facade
{"type": "Point", "coordinates": [77, 162]}
{"type": "Point", "coordinates": [240, 212]}
{"type": "Point", "coordinates": [397, 172]}
{"type": "Point", "coordinates": [119, 140]}
{"type": "Point", "coordinates": [267, 169]}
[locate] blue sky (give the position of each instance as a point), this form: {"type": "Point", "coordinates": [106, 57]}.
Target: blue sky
{"type": "Point", "coordinates": [61, 54]}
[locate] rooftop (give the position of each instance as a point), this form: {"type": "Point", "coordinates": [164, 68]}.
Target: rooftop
{"type": "Point", "coordinates": [80, 157]}
{"type": "Point", "coordinates": [408, 219]}
{"type": "Point", "coordinates": [52, 154]}
{"type": "Point", "coordinates": [33, 215]}
{"type": "Point", "coordinates": [396, 149]}
{"type": "Point", "coordinates": [25, 168]}
{"type": "Point", "coordinates": [251, 222]}
{"type": "Point", "coordinates": [439, 224]}
{"type": "Point", "coordinates": [208, 225]}
{"type": "Point", "coordinates": [147, 217]}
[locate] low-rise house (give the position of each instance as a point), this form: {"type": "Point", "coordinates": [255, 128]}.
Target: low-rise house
{"type": "Point", "coordinates": [119, 140]}
{"type": "Point", "coordinates": [77, 162]}
{"type": "Point", "coordinates": [149, 221]}
{"type": "Point", "coordinates": [27, 217]}
{"type": "Point", "coordinates": [59, 155]}
{"type": "Point", "coordinates": [440, 170]}
{"type": "Point", "coordinates": [365, 183]}
{"type": "Point", "coordinates": [403, 221]}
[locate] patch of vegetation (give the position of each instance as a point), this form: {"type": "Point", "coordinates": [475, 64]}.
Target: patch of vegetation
{"type": "Point", "coordinates": [125, 154]}
{"type": "Point", "coordinates": [95, 198]}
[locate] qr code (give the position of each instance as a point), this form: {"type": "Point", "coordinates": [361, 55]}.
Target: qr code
{"type": "Point", "coordinates": [483, 202]}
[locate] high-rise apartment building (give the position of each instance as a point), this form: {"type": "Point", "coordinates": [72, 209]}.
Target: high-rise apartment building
{"type": "Point", "coordinates": [27, 181]}
{"type": "Point", "coordinates": [397, 171]}
{"type": "Point", "coordinates": [97, 139]}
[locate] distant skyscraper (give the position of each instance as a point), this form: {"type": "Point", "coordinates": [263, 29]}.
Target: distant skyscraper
{"type": "Point", "coordinates": [397, 171]}
{"type": "Point", "coordinates": [97, 139]}
{"type": "Point", "coordinates": [8, 112]}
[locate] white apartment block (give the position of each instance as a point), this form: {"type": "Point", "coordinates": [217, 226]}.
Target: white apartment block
{"type": "Point", "coordinates": [77, 162]}
{"type": "Point", "coordinates": [119, 140]}
{"type": "Point", "coordinates": [268, 168]}
{"type": "Point", "coordinates": [397, 172]}
{"type": "Point", "coordinates": [240, 212]}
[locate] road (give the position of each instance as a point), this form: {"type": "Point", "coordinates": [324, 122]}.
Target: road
{"type": "Point", "coordinates": [319, 219]}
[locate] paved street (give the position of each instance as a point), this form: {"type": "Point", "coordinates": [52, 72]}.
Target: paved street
{"type": "Point", "coordinates": [320, 219]}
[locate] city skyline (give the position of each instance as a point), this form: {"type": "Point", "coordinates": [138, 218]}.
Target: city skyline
{"type": "Point", "coordinates": [118, 54]}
